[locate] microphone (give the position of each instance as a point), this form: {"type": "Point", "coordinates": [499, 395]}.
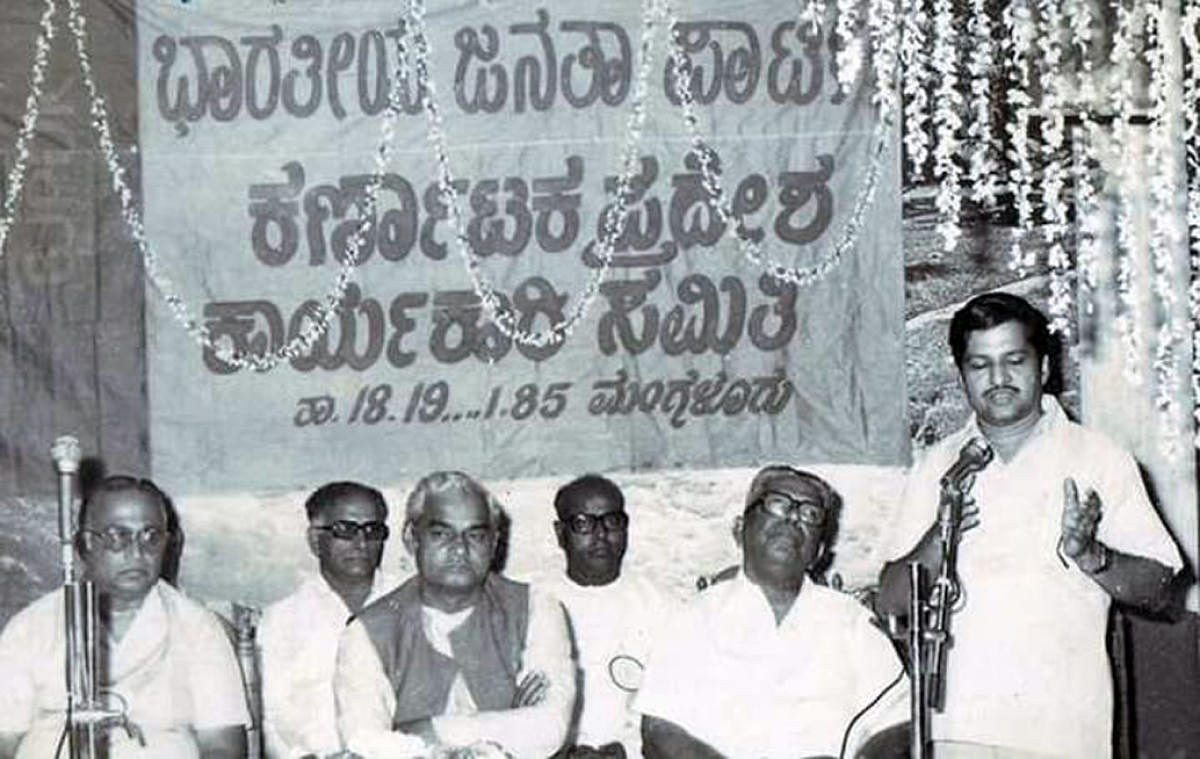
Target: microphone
{"type": "Point", "coordinates": [973, 457]}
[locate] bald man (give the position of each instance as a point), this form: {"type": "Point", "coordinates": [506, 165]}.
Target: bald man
{"type": "Point", "coordinates": [163, 658]}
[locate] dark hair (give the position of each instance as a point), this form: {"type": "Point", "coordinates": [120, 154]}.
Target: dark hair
{"type": "Point", "coordinates": [993, 309]}
{"type": "Point", "coordinates": [581, 487]}
{"type": "Point", "coordinates": [120, 483]}
{"type": "Point", "coordinates": [329, 494]}
{"type": "Point", "coordinates": [831, 500]}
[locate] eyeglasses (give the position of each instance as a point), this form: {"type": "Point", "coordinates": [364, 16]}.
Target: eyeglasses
{"type": "Point", "coordinates": [118, 539]}
{"type": "Point", "coordinates": [585, 524]}
{"type": "Point", "coordinates": [344, 529]}
{"type": "Point", "coordinates": [783, 506]}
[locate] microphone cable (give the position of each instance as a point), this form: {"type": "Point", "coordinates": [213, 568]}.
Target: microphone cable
{"type": "Point", "coordinates": [865, 709]}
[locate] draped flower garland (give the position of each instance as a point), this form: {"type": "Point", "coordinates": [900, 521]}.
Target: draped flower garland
{"type": "Point", "coordinates": [932, 64]}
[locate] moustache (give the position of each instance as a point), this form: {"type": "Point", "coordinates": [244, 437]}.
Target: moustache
{"type": "Point", "coordinates": [1000, 389]}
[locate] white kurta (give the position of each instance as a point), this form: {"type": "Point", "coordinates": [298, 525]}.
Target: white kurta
{"type": "Point", "coordinates": [175, 668]}
{"type": "Point", "coordinates": [298, 636]}
{"type": "Point", "coordinates": [726, 673]}
{"type": "Point", "coordinates": [614, 621]}
{"type": "Point", "coordinates": [1028, 667]}
{"type": "Point", "coordinates": [366, 702]}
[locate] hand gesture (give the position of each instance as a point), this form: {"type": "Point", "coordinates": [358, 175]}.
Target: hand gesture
{"type": "Point", "coordinates": [1079, 521]}
{"type": "Point", "coordinates": [531, 691]}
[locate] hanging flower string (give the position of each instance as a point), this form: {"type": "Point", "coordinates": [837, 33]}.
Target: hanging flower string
{"type": "Point", "coordinates": [915, 71]}
{"type": "Point", "coordinates": [1127, 171]}
{"type": "Point", "coordinates": [318, 321]}
{"type": "Point", "coordinates": [982, 148]}
{"type": "Point", "coordinates": [1164, 234]}
{"type": "Point", "coordinates": [37, 78]}
{"type": "Point", "coordinates": [1083, 152]}
{"type": "Point", "coordinates": [614, 222]}
{"type": "Point", "coordinates": [1189, 29]}
{"type": "Point", "coordinates": [849, 53]}
{"type": "Point", "coordinates": [1019, 27]}
{"type": "Point", "coordinates": [718, 201]}
{"type": "Point", "coordinates": [947, 120]}
{"type": "Point", "coordinates": [1054, 210]}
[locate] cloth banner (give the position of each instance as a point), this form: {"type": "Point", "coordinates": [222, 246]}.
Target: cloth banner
{"type": "Point", "coordinates": [260, 122]}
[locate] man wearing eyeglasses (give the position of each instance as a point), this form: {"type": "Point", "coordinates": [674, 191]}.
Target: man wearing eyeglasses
{"type": "Point", "coordinates": [347, 529]}
{"type": "Point", "coordinates": [163, 660]}
{"type": "Point", "coordinates": [612, 616]}
{"type": "Point", "coordinates": [457, 656]}
{"type": "Point", "coordinates": [771, 663]}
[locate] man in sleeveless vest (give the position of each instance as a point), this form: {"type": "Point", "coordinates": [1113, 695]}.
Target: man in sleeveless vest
{"type": "Point", "coordinates": [458, 655]}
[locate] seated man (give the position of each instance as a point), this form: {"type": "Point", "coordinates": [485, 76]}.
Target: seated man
{"type": "Point", "coordinates": [458, 655]}
{"type": "Point", "coordinates": [347, 527]}
{"type": "Point", "coordinates": [162, 657]}
{"type": "Point", "coordinates": [768, 664]}
{"type": "Point", "coordinates": [612, 615]}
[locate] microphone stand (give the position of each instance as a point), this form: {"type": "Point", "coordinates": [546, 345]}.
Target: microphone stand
{"type": "Point", "coordinates": [929, 614]}
{"type": "Point", "coordinates": [86, 714]}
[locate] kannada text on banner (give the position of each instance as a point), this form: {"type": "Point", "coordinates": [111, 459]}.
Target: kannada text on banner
{"type": "Point", "coordinates": [258, 133]}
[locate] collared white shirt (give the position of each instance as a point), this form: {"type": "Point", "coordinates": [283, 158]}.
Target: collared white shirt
{"type": "Point", "coordinates": [1028, 668]}
{"type": "Point", "coordinates": [611, 623]}
{"type": "Point", "coordinates": [174, 669]}
{"type": "Point", "coordinates": [366, 703]}
{"type": "Point", "coordinates": [298, 637]}
{"type": "Point", "coordinates": [729, 675]}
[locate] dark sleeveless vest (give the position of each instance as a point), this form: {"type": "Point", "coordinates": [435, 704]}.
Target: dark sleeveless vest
{"type": "Point", "coordinates": [487, 648]}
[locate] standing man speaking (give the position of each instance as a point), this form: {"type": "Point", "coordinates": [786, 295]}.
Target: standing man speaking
{"type": "Point", "coordinates": [1055, 528]}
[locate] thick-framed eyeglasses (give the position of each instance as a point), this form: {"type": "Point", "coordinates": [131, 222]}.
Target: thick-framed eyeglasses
{"type": "Point", "coordinates": [585, 524]}
{"type": "Point", "coordinates": [783, 506]}
{"type": "Point", "coordinates": [118, 539]}
{"type": "Point", "coordinates": [344, 529]}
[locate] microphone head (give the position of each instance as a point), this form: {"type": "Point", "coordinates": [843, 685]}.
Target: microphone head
{"type": "Point", "coordinates": [66, 454]}
{"type": "Point", "coordinates": [977, 453]}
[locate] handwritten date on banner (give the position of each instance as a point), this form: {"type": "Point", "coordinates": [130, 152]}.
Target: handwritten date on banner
{"type": "Point", "coordinates": [508, 214]}
{"type": "Point", "coordinates": [678, 399]}
{"type": "Point", "coordinates": [710, 317]}
{"type": "Point", "coordinates": [524, 67]}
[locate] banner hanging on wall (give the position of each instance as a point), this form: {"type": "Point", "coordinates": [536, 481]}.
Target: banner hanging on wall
{"type": "Point", "coordinates": [259, 124]}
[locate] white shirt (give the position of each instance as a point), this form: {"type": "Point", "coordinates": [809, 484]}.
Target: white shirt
{"type": "Point", "coordinates": [1028, 668]}
{"type": "Point", "coordinates": [726, 673]}
{"type": "Point", "coordinates": [298, 636]}
{"type": "Point", "coordinates": [366, 702]}
{"type": "Point", "coordinates": [174, 667]}
{"type": "Point", "coordinates": [614, 621]}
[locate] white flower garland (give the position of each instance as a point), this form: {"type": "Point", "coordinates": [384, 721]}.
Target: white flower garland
{"type": "Point", "coordinates": [981, 169]}
{"type": "Point", "coordinates": [947, 122]}
{"type": "Point", "coordinates": [1189, 29]}
{"type": "Point", "coordinates": [1054, 209]}
{"type": "Point", "coordinates": [317, 323]}
{"type": "Point", "coordinates": [811, 12]}
{"type": "Point", "coordinates": [1087, 216]}
{"type": "Point", "coordinates": [495, 310]}
{"type": "Point", "coordinates": [849, 54]}
{"type": "Point", "coordinates": [37, 78]}
{"type": "Point", "coordinates": [719, 202]}
{"type": "Point", "coordinates": [1127, 172]}
{"type": "Point", "coordinates": [1164, 234]}
{"type": "Point", "coordinates": [915, 68]}
{"type": "Point", "coordinates": [1020, 32]}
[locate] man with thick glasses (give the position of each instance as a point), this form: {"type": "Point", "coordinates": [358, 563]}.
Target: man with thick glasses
{"type": "Point", "coordinates": [458, 655]}
{"type": "Point", "coordinates": [347, 529]}
{"type": "Point", "coordinates": [613, 616]}
{"type": "Point", "coordinates": [163, 660]}
{"type": "Point", "coordinates": [771, 663]}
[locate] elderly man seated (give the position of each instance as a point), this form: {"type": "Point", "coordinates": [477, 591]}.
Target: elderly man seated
{"type": "Point", "coordinates": [770, 663]}
{"type": "Point", "coordinates": [347, 528]}
{"type": "Point", "coordinates": [163, 658]}
{"type": "Point", "coordinates": [457, 655]}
